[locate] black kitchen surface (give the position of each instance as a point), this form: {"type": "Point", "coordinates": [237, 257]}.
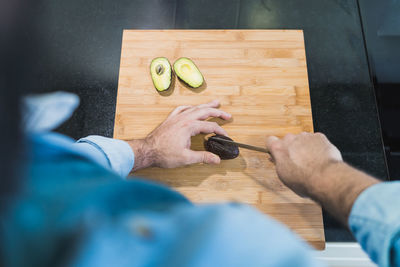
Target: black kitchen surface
{"type": "Point", "coordinates": [78, 45]}
{"type": "Point", "coordinates": [381, 25]}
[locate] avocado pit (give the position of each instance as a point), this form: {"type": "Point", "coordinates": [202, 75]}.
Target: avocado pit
{"type": "Point", "coordinates": [160, 69]}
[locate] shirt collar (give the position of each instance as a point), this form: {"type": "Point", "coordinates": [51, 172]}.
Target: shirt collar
{"type": "Point", "coordinates": [45, 112]}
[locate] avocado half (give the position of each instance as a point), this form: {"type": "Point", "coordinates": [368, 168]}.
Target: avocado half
{"type": "Point", "coordinates": [161, 73]}
{"type": "Point", "coordinates": [223, 150]}
{"type": "Point", "coordinates": [188, 72]}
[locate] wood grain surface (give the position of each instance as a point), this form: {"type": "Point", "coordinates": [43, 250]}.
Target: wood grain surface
{"type": "Point", "coordinates": [260, 76]}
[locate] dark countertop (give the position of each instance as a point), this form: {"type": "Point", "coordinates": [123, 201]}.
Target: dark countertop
{"type": "Point", "coordinates": [381, 24]}
{"type": "Point", "coordinates": [78, 43]}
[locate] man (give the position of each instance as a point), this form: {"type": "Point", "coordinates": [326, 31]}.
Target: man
{"type": "Point", "coordinates": [66, 203]}
{"type": "Point", "coordinates": [75, 208]}
{"type": "Point", "coordinates": [72, 210]}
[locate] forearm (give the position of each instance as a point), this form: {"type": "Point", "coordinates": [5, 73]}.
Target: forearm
{"type": "Point", "coordinates": [310, 165]}
{"type": "Point", "coordinates": [338, 186]}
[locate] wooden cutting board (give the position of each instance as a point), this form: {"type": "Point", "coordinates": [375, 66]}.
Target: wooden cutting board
{"type": "Point", "coordinates": [260, 77]}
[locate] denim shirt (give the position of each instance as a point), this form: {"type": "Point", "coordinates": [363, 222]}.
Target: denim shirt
{"type": "Point", "coordinates": [181, 234]}
{"type": "Point", "coordinates": [73, 210]}
{"type": "Point", "coordinates": [375, 222]}
{"type": "Point", "coordinates": [45, 112]}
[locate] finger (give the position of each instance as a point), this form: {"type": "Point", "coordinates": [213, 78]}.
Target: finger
{"type": "Point", "coordinates": [205, 113]}
{"type": "Point", "coordinates": [289, 138]}
{"type": "Point", "coordinates": [271, 141]}
{"type": "Point", "coordinates": [212, 104]}
{"type": "Point", "coordinates": [201, 157]}
{"type": "Point", "coordinates": [273, 145]}
{"type": "Point", "coordinates": [178, 110]}
{"type": "Point", "coordinates": [207, 127]}
{"type": "Point", "coordinates": [321, 135]}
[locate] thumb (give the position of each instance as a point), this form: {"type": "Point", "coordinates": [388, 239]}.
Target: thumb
{"type": "Point", "coordinates": [202, 157]}
{"type": "Point", "coordinates": [273, 146]}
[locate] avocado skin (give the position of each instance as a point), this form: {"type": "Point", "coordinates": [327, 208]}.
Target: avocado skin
{"type": "Point", "coordinates": [223, 150]}
{"type": "Point", "coordinates": [170, 78]}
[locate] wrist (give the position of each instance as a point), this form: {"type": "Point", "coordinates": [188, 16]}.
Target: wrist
{"type": "Point", "coordinates": [323, 179]}
{"type": "Point", "coordinates": [145, 155]}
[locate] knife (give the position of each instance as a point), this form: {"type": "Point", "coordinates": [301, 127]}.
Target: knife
{"type": "Point", "coordinates": [255, 148]}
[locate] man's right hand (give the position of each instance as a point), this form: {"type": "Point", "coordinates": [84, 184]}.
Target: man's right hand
{"type": "Point", "coordinates": [311, 166]}
{"type": "Point", "coordinates": [301, 159]}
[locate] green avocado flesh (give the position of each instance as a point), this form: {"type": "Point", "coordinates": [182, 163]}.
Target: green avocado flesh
{"type": "Point", "coordinates": [161, 73]}
{"type": "Point", "coordinates": [188, 72]}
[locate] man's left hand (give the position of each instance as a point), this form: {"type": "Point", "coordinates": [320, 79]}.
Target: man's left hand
{"type": "Point", "coordinates": [168, 146]}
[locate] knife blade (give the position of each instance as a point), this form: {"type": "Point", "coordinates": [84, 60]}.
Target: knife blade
{"type": "Point", "coordinates": [255, 148]}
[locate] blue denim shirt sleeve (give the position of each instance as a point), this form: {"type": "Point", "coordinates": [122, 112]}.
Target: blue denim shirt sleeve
{"type": "Point", "coordinates": [110, 153]}
{"type": "Point", "coordinates": [44, 112]}
{"type": "Point", "coordinates": [375, 222]}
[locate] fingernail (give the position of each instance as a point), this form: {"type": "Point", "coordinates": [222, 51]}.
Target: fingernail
{"type": "Point", "coordinates": [216, 160]}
